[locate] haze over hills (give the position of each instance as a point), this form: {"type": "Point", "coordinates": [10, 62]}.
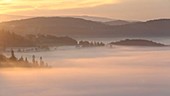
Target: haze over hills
{"type": "Point", "coordinates": [109, 21]}
{"type": "Point", "coordinates": [118, 22]}
{"type": "Point", "coordinates": [76, 27]}
{"type": "Point", "coordinates": [4, 17]}
{"type": "Point", "coordinates": [94, 18]}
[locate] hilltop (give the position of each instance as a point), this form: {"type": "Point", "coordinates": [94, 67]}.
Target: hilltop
{"type": "Point", "coordinates": [137, 42]}
{"type": "Point", "coordinates": [76, 27]}
{"type": "Point", "coordinates": [8, 39]}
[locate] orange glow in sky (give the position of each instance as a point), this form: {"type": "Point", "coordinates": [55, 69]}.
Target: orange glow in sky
{"type": "Point", "coordinates": [20, 5]}
{"type": "Point", "coordinates": [117, 9]}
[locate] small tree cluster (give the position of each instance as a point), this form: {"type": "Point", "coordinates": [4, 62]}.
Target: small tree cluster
{"type": "Point", "coordinates": [21, 62]}
{"type": "Point", "coordinates": [90, 44]}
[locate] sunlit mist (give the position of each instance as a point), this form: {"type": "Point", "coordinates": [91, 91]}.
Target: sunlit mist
{"type": "Point", "coordinates": [23, 5]}
{"type": "Point", "coordinates": [122, 71]}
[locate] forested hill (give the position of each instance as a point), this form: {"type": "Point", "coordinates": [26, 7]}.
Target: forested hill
{"type": "Point", "coordinates": [8, 39]}
{"type": "Point", "coordinates": [60, 26]}
{"type": "Point", "coordinates": [137, 42]}
{"type": "Point", "coordinates": [76, 27]}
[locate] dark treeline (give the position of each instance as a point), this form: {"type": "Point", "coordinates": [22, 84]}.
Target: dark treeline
{"type": "Point", "coordinates": [51, 40]}
{"type": "Point", "coordinates": [137, 42]}
{"type": "Point", "coordinates": [8, 39]}
{"type": "Point", "coordinates": [13, 61]}
{"type": "Point", "coordinates": [90, 44]}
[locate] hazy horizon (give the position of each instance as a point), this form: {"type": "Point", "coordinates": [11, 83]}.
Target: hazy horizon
{"type": "Point", "coordinates": [116, 9]}
{"type": "Point", "coordinates": [13, 17]}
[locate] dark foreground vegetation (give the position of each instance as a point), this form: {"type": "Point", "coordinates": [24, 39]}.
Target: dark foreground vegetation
{"type": "Point", "coordinates": [21, 62]}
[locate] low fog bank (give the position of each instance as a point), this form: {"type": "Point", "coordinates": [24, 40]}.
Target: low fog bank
{"type": "Point", "coordinates": [104, 57]}
{"type": "Point", "coordinates": [117, 71]}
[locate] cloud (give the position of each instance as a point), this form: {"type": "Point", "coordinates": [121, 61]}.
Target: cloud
{"type": "Point", "coordinates": [118, 9]}
{"type": "Point", "coordinates": [50, 5]}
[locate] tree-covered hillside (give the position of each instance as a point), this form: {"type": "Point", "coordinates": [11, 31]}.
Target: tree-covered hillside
{"type": "Point", "coordinates": [8, 39]}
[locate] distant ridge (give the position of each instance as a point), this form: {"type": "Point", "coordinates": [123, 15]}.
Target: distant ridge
{"type": "Point", "coordinates": [94, 18]}
{"type": "Point", "coordinates": [106, 20]}
{"type": "Point", "coordinates": [118, 22]}
{"type": "Point", "coordinates": [6, 17]}
{"type": "Point", "coordinates": [137, 42]}
{"type": "Point", "coordinates": [76, 27]}
{"type": "Point", "coordinates": [61, 26]}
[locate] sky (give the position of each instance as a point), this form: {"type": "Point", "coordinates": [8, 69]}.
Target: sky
{"type": "Point", "coordinates": [116, 9]}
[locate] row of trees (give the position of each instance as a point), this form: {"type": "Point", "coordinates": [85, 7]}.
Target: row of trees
{"type": "Point", "coordinates": [21, 62]}
{"type": "Point", "coordinates": [90, 44]}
